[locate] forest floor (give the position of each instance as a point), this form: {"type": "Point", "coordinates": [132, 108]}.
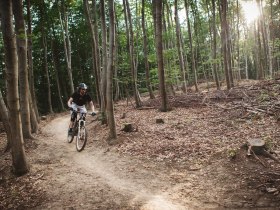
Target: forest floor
{"type": "Point", "coordinates": [195, 159]}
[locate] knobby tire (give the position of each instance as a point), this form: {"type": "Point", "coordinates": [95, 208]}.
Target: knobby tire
{"type": "Point", "coordinates": [81, 139]}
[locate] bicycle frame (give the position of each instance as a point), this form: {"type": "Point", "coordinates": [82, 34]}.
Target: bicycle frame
{"type": "Point", "coordinates": [81, 121]}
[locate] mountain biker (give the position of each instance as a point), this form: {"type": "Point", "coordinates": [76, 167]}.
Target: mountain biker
{"type": "Point", "coordinates": [78, 100]}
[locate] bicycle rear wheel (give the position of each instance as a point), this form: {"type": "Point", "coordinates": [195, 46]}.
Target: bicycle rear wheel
{"type": "Point", "coordinates": [81, 139]}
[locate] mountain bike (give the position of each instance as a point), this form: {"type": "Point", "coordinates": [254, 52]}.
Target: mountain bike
{"type": "Point", "coordinates": [79, 130]}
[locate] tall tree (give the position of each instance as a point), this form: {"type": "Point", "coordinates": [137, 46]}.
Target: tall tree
{"type": "Point", "coordinates": [67, 43]}
{"type": "Point", "coordinates": [215, 45]}
{"type": "Point", "coordinates": [130, 39]}
{"type": "Point", "coordinates": [5, 120]}
{"type": "Point", "coordinates": [191, 45]}
{"type": "Point", "coordinates": [95, 51]}
{"type": "Point", "coordinates": [145, 49]}
{"type": "Point", "coordinates": [110, 71]}
{"type": "Point", "coordinates": [180, 48]}
{"type": "Point", "coordinates": [45, 53]}
{"type": "Point", "coordinates": [157, 7]}
{"type": "Point", "coordinates": [22, 65]}
{"type": "Point", "coordinates": [55, 59]}
{"type": "Point", "coordinates": [225, 43]}
{"type": "Point", "coordinates": [104, 62]}
{"type": "Point", "coordinates": [18, 153]}
{"type": "Point", "coordinates": [34, 113]}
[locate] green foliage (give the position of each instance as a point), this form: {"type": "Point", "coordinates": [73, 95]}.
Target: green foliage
{"type": "Point", "coordinates": [201, 16]}
{"type": "Point", "coordinates": [268, 142]}
{"type": "Point", "coordinates": [231, 153]}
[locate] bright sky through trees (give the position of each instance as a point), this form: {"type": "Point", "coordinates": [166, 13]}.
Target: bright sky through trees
{"type": "Point", "coordinates": [250, 10]}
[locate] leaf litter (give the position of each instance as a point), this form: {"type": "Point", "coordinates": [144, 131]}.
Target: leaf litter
{"type": "Point", "coordinates": [204, 132]}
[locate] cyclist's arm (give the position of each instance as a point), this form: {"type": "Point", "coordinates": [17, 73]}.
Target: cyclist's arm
{"type": "Point", "coordinates": [69, 103]}
{"type": "Point", "coordinates": [92, 106]}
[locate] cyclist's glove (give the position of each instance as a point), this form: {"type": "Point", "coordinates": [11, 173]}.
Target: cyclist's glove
{"type": "Point", "coordinates": [93, 114]}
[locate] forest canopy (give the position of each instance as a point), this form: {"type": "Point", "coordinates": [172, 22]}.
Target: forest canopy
{"type": "Point", "coordinates": [252, 42]}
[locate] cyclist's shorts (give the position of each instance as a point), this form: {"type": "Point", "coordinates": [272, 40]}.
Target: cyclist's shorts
{"type": "Point", "coordinates": [81, 109]}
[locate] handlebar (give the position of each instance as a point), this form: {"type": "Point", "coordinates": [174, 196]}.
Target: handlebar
{"type": "Point", "coordinates": [78, 111]}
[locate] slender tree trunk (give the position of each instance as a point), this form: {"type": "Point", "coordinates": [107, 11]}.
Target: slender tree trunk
{"type": "Point", "coordinates": [191, 45]}
{"type": "Point", "coordinates": [166, 46]}
{"type": "Point", "coordinates": [104, 62]}
{"type": "Point", "coordinates": [215, 46]}
{"type": "Point", "coordinates": [5, 120]}
{"type": "Point", "coordinates": [130, 38]}
{"type": "Point", "coordinates": [55, 57]}
{"type": "Point", "coordinates": [67, 47]}
{"type": "Point", "coordinates": [157, 6]}
{"type": "Point", "coordinates": [110, 70]}
{"type": "Point", "coordinates": [266, 40]}
{"type": "Point", "coordinates": [259, 52]}
{"type": "Point", "coordinates": [228, 44]}
{"type": "Point", "coordinates": [145, 49]}
{"type": "Point", "coordinates": [238, 38]}
{"type": "Point", "coordinates": [116, 84]}
{"type": "Point", "coordinates": [33, 101]}
{"type": "Point", "coordinates": [33, 117]}
{"type": "Point", "coordinates": [95, 52]}
{"type": "Point", "coordinates": [172, 45]}
{"type": "Point", "coordinates": [18, 154]}
{"type": "Point", "coordinates": [44, 39]}
{"type": "Point", "coordinates": [43, 23]}
{"type": "Point", "coordinates": [22, 64]}
{"type": "Point", "coordinates": [224, 41]}
{"type": "Point", "coordinates": [180, 48]}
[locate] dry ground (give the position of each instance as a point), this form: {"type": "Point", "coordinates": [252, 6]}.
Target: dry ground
{"type": "Point", "coordinates": [195, 159]}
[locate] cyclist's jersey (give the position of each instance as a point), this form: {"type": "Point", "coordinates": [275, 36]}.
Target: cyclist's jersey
{"type": "Point", "coordinates": [81, 100]}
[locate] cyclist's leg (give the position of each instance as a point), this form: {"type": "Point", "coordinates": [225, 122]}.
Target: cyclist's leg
{"type": "Point", "coordinates": [83, 112]}
{"type": "Point", "coordinates": [73, 116]}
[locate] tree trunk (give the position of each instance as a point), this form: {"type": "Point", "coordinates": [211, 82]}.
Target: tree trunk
{"type": "Point", "coordinates": [238, 39]}
{"type": "Point", "coordinates": [259, 52]}
{"type": "Point", "coordinates": [130, 38]}
{"type": "Point", "coordinates": [145, 49]}
{"type": "Point", "coordinates": [67, 47]}
{"type": "Point", "coordinates": [224, 41]}
{"type": "Point", "coordinates": [33, 101]}
{"type": "Point", "coordinates": [157, 6]}
{"type": "Point", "coordinates": [18, 154]}
{"type": "Point", "coordinates": [180, 48]}
{"type": "Point", "coordinates": [104, 62]}
{"type": "Point", "coordinates": [110, 70]}
{"type": "Point", "coordinates": [172, 45]}
{"type": "Point", "coordinates": [5, 121]}
{"type": "Point", "coordinates": [55, 57]}
{"type": "Point", "coordinates": [95, 52]}
{"type": "Point", "coordinates": [191, 46]}
{"type": "Point", "coordinates": [116, 84]}
{"type": "Point", "coordinates": [43, 22]}
{"type": "Point", "coordinates": [215, 46]}
{"type": "Point", "coordinates": [22, 65]}
{"type": "Point", "coordinates": [45, 63]}
{"type": "Point", "coordinates": [228, 43]}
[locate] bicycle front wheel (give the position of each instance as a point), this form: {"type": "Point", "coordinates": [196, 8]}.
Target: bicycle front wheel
{"type": "Point", "coordinates": [81, 139]}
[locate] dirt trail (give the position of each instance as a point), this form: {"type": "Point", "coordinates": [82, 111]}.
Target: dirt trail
{"type": "Point", "coordinates": [95, 179]}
